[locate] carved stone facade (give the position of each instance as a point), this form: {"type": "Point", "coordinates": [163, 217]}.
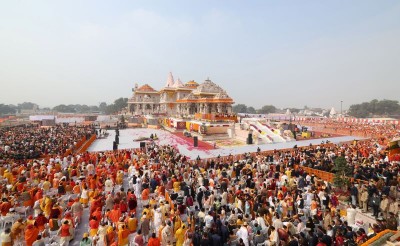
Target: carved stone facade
{"type": "Point", "coordinates": [178, 99]}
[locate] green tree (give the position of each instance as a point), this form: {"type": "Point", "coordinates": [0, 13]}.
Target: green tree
{"type": "Point", "coordinates": [27, 106]}
{"type": "Point", "coordinates": [380, 108]}
{"type": "Point", "coordinates": [267, 109]}
{"type": "Point", "coordinates": [6, 109]}
{"type": "Point", "coordinates": [94, 108]}
{"type": "Point", "coordinates": [62, 108]}
{"type": "Point", "coordinates": [121, 103]}
{"type": "Point", "coordinates": [342, 172]}
{"type": "Point", "coordinates": [294, 110]}
{"type": "Point", "coordinates": [251, 110]}
{"type": "Point", "coordinates": [239, 108]}
{"type": "Point", "coordinates": [103, 107]}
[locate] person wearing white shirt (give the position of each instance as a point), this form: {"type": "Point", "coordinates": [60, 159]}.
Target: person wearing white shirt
{"type": "Point", "coordinates": [284, 178]}
{"type": "Point", "coordinates": [243, 233]}
{"type": "Point", "coordinates": [108, 185]}
{"type": "Point", "coordinates": [301, 226]}
{"type": "Point", "coordinates": [90, 168]}
{"type": "Point", "coordinates": [277, 223]}
{"type": "Point", "coordinates": [208, 219]}
{"type": "Point", "coordinates": [273, 237]}
{"type": "Point", "coordinates": [260, 220]}
{"type": "Point", "coordinates": [157, 219]}
{"type": "Point", "coordinates": [201, 215]}
{"type": "Point", "coordinates": [351, 215]}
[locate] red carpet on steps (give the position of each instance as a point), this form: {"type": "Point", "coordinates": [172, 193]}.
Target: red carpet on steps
{"type": "Point", "coordinates": [202, 145]}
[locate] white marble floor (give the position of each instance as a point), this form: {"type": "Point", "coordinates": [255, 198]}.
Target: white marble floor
{"type": "Point", "coordinates": [186, 148]}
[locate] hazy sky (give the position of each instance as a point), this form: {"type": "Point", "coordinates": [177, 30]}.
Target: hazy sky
{"type": "Point", "coordinates": [285, 53]}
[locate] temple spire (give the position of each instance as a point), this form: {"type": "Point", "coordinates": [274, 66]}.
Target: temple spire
{"type": "Point", "coordinates": [170, 80]}
{"type": "Point", "coordinates": [178, 83]}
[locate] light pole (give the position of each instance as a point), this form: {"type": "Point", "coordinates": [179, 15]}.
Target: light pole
{"type": "Point", "coordinates": [341, 108]}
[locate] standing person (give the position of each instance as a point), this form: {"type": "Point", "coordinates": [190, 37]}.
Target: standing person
{"type": "Point", "coordinates": [354, 194]}
{"type": "Point", "coordinates": [65, 233]}
{"type": "Point", "coordinates": [5, 237]}
{"type": "Point", "coordinates": [77, 210]}
{"type": "Point", "coordinates": [364, 200]}
{"type": "Point", "coordinates": [273, 237]}
{"type": "Point", "coordinates": [123, 236]}
{"type": "Point", "coordinates": [139, 240]}
{"type": "Point", "coordinates": [17, 230]}
{"type": "Point", "coordinates": [384, 206]}
{"type": "Point", "coordinates": [167, 237]}
{"type": "Point", "coordinates": [31, 234]}
{"type": "Point", "coordinates": [85, 240]}
{"type": "Point", "coordinates": [375, 201]}
{"type": "Point", "coordinates": [351, 215]}
{"type": "Point", "coordinates": [243, 233]}
{"type": "Point", "coordinates": [154, 241]}
{"type": "Point", "coordinates": [327, 219]}
{"type": "Point", "coordinates": [394, 207]}
{"type": "Point", "coordinates": [145, 227]}
{"type": "Point", "coordinates": [180, 235]}
{"type": "Point", "coordinates": [84, 196]}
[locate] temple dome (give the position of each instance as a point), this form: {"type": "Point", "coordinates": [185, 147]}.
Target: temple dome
{"type": "Point", "coordinates": [191, 84]}
{"type": "Point", "coordinates": [208, 87]}
{"type": "Point", "coordinates": [146, 88]}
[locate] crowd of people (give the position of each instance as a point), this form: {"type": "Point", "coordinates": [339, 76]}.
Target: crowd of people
{"type": "Point", "coordinates": [32, 141]}
{"type": "Point", "coordinates": [382, 132]}
{"type": "Point", "coordinates": [156, 196]}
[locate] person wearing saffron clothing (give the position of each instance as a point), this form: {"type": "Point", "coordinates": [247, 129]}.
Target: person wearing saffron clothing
{"type": "Point", "coordinates": [41, 221]}
{"type": "Point", "coordinates": [84, 197]}
{"type": "Point", "coordinates": [123, 236]}
{"type": "Point", "coordinates": [65, 233]}
{"type": "Point", "coordinates": [154, 241]}
{"type": "Point", "coordinates": [17, 229]}
{"type": "Point", "coordinates": [115, 214]}
{"type": "Point", "coordinates": [132, 223]}
{"type": "Point", "coordinates": [145, 196]}
{"type": "Point", "coordinates": [97, 214]}
{"type": "Point", "coordinates": [5, 206]}
{"type": "Point", "coordinates": [110, 235]}
{"type": "Point", "coordinates": [180, 235]}
{"type": "Point", "coordinates": [31, 234]}
{"type": "Point", "coordinates": [94, 226]}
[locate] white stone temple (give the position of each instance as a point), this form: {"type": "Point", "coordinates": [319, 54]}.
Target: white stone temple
{"type": "Point", "coordinates": [180, 99]}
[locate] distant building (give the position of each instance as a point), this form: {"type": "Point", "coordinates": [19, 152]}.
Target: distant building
{"type": "Point", "coordinates": [177, 98]}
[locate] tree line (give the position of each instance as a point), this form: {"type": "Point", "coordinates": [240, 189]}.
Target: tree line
{"type": "Point", "coordinates": [244, 109]}
{"type": "Point", "coordinates": [375, 108]}
{"type": "Point", "coordinates": [118, 105]}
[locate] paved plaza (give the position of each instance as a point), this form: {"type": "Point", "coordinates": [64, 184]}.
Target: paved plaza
{"type": "Point", "coordinates": [185, 146]}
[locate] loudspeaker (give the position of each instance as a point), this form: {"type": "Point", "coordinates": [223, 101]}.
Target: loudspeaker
{"type": "Point", "coordinates": [195, 141]}
{"type": "Point", "coordinates": [117, 139]}
{"type": "Point", "coordinates": [249, 139]}
{"type": "Point", "coordinates": [142, 145]}
{"type": "Point", "coordinates": [115, 146]}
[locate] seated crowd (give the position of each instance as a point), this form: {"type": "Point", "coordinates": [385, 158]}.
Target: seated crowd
{"type": "Point", "coordinates": [31, 141]}
{"type": "Point", "coordinates": [156, 196]}
{"type": "Point", "coordinates": [380, 131]}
